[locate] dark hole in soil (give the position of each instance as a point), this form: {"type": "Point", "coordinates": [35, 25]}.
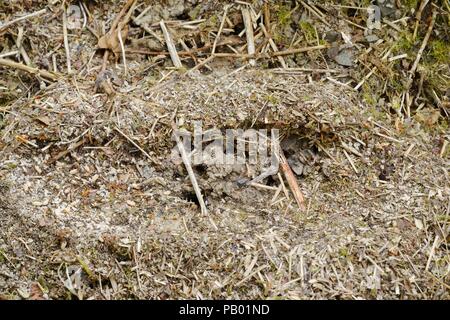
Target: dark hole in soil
{"type": "Point", "coordinates": [201, 169]}
{"type": "Point", "coordinates": [184, 15]}
{"type": "Point", "coordinates": [238, 28]}
{"type": "Point", "coordinates": [351, 12]}
{"type": "Point", "coordinates": [271, 181]}
{"type": "Point", "coordinates": [190, 197]}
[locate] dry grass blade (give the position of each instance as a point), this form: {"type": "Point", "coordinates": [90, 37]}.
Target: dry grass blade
{"type": "Point", "coordinates": [170, 46]}
{"type": "Point", "coordinates": [191, 173]}
{"type": "Point", "coordinates": [36, 71]}
{"type": "Point", "coordinates": [249, 33]}
{"type": "Point", "coordinates": [28, 16]}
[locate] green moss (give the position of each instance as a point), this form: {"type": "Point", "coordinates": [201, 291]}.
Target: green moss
{"type": "Point", "coordinates": [343, 252]}
{"type": "Point", "coordinates": [404, 44]}
{"type": "Point", "coordinates": [193, 14]}
{"type": "Point", "coordinates": [271, 99]}
{"type": "Point", "coordinates": [284, 15]}
{"type": "Point", "coordinates": [410, 4]}
{"type": "Point", "coordinates": [10, 165]}
{"type": "Point", "coordinates": [368, 96]}
{"type": "Point", "coordinates": [440, 51]}
{"type": "Point", "coordinates": [308, 30]}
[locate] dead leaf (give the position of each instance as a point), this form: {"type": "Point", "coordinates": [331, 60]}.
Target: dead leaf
{"type": "Point", "coordinates": [36, 292]}
{"type": "Point", "coordinates": [111, 42]}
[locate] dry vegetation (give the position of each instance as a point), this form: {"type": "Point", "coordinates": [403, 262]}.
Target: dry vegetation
{"type": "Point", "coordinates": [93, 205]}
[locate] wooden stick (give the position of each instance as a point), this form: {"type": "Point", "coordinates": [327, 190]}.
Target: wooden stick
{"type": "Point", "coordinates": [120, 14]}
{"type": "Point", "coordinates": [249, 34]}
{"type": "Point", "coordinates": [292, 181]}
{"type": "Point", "coordinates": [34, 14]}
{"type": "Point", "coordinates": [22, 51]}
{"type": "Point", "coordinates": [191, 174]}
{"type": "Point", "coordinates": [8, 54]}
{"type": "Point", "coordinates": [298, 50]}
{"type": "Point", "coordinates": [122, 48]}
{"type": "Point", "coordinates": [424, 43]}
{"type": "Point", "coordinates": [65, 152]}
{"type": "Point", "coordinates": [21, 66]}
{"type": "Point", "coordinates": [315, 13]}
{"type": "Point", "coordinates": [66, 41]}
{"type": "Point", "coordinates": [423, 3]}
{"type": "Point", "coordinates": [134, 144]}
{"type": "Point", "coordinates": [267, 17]}
{"type": "Point", "coordinates": [220, 30]}
{"type": "Point", "coordinates": [170, 46]}
{"type": "Point", "coordinates": [273, 45]}
{"type": "Point", "coordinates": [419, 55]}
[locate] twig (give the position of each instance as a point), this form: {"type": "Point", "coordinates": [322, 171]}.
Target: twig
{"type": "Point", "coordinates": [273, 45]}
{"type": "Point", "coordinates": [119, 35]}
{"type": "Point", "coordinates": [302, 70]}
{"type": "Point", "coordinates": [170, 46]}
{"type": "Point", "coordinates": [191, 174]}
{"type": "Point", "coordinates": [220, 30]}
{"type": "Point", "coordinates": [22, 51]}
{"type": "Point", "coordinates": [351, 161]}
{"type": "Point", "coordinates": [119, 16]}
{"type": "Point", "coordinates": [249, 34]}
{"type": "Point", "coordinates": [292, 181]}
{"type": "Point", "coordinates": [412, 71]}
{"type": "Point", "coordinates": [424, 44]}
{"type": "Point", "coordinates": [8, 54]}
{"type": "Point", "coordinates": [315, 13]}
{"type": "Point", "coordinates": [62, 154]}
{"type": "Point", "coordinates": [423, 3]}
{"type": "Point", "coordinates": [299, 50]}
{"type": "Point", "coordinates": [21, 66]}
{"type": "Point", "coordinates": [433, 248]}
{"type": "Point", "coordinates": [34, 14]}
{"type": "Point", "coordinates": [134, 144]}
{"type": "Point", "coordinates": [66, 41]}
{"type": "Point", "coordinates": [201, 64]}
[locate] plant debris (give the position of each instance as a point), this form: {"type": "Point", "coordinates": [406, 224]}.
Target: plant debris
{"type": "Point", "coordinates": [97, 203]}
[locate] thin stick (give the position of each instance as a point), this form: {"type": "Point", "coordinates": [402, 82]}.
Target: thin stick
{"type": "Point", "coordinates": [66, 41]}
{"type": "Point", "coordinates": [299, 50]}
{"type": "Point", "coordinates": [170, 46]}
{"type": "Point", "coordinates": [119, 35]}
{"type": "Point", "coordinates": [315, 13]}
{"type": "Point", "coordinates": [292, 181]}
{"type": "Point", "coordinates": [191, 174]}
{"type": "Point", "coordinates": [201, 64]}
{"type": "Point", "coordinates": [433, 248]}
{"type": "Point", "coordinates": [62, 154]}
{"type": "Point", "coordinates": [220, 30]}
{"type": "Point", "coordinates": [302, 70]}
{"type": "Point", "coordinates": [121, 13]}
{"type": "Point", "coordinates": [423, 3]}
{"type": "Point", "coordinates": [249, 34]}
{"type": "Point", "coordinates": [21, 66]}
{"type": "Point", "coordinates": [424, 44]}
{"type": "Point", "coordinates": [8, 54]}
{"type": "Point", "coordinates": [267, 16]}
{"type": "Point", "coordinates": [22, 51]}
{"type": "Point", "coordinates": [34, 14]}
{"type": "Point", "coordinates": [134, 144]}
{"type": "Point", "coordinates": [273, 45]}
{"type": "Point", "coordinates": [419, 55]}
{"type": "Point", "coordinates": [351, 161]}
